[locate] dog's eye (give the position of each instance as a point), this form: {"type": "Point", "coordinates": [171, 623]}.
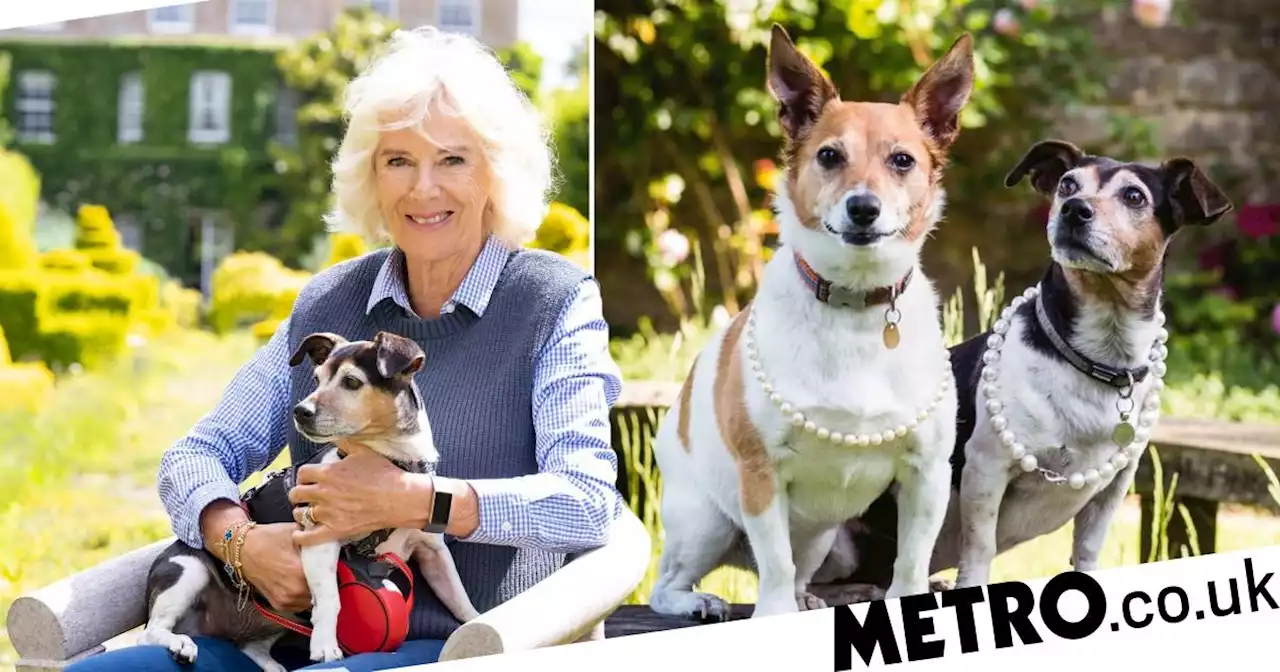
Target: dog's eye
{"type": "Point", "coordinates": [829, 157]}
{"type": "Point", "coordinates": [902, 161]}
{"type": "Point", "coordinates": [351, 383]}
{"type": "Point", "coordinates": [1134, 198]}
{"type": "Point", "coordinates": [1067, 187]}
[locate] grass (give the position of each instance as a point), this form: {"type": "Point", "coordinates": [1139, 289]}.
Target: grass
{"type": "Point", "coordinates": [77, 481]}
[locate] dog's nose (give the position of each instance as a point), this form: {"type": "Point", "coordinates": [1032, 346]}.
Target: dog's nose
{"type": "Point", "coordinates": [303, 412]}
{"type": "Point", "coordinates": [1077, 210]}
{"type": "Point", "coordinates": [863, 209]}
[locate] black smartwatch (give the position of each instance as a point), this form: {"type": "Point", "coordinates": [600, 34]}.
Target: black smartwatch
{"type": "Point", "coordinates": [441, 505]}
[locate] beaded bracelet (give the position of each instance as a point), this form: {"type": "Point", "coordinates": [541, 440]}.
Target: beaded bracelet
{"type": "Point", "coordinates": [231, 559]}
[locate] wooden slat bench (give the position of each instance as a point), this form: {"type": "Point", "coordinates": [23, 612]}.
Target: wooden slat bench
{"type": "Point", "coordinates": [1213, 461]}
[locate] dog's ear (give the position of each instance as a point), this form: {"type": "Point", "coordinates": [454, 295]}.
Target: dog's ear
{"type": "Point", "coordinates": [1193, 198]}
{"type": "Point", "coordinates": [800, 88]}
{"type": "Point", "coordinates": [397, 355]}
{"type": "Point", "coordinates": [1047, 161]}
{"type": "Point", "coordinates": [943, 90]}
{"type": "Point", "coordinates": [317, 346]}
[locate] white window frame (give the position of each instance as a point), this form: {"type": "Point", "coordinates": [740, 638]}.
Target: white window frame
{"type": "Point", "coordinates": [41, 81]}
{"type": "Point", "coordinates": [236, 28]}
{"type": "Point", "coordinates": [162, 26]}
{"type": "Point", "coordinates": [131, 108]}
{"type": "Point", "coordinates": [218, 85]}
{"type": "Point", "coordinates": [475, 6]}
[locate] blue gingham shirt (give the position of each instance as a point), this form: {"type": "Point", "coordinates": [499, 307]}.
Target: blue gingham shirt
{"type": "Point", "coordinates": [566, 507]}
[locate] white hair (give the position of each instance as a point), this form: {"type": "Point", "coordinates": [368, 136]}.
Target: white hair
{"type": "Point", "coordinates": [463, 78]}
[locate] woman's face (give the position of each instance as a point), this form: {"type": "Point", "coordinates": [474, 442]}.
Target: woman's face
{"type": "Point", "coordinates": [433, 192]}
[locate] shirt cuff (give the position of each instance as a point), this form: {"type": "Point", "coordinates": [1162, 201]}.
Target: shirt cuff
{"type": "Point", "coordinates": [188, 528]}
{"type": "Point", "coordinates": [504, 508]}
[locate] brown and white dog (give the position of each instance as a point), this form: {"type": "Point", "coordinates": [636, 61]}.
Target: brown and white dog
{"type": "Point", "coordinates": [364, 395]}
{"type": "Point", "coordinates": [1059, 399]}
{"type": "Point", "coordinates": [833, 384]}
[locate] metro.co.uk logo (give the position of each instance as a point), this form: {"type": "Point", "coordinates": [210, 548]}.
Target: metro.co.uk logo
{"type": "Point", "coordinates": [1009, 608]}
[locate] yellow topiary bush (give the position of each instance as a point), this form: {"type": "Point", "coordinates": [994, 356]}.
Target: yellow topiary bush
{"type": "Point", "coordinates": [65, 261]}
{"type": "Point", "coordinates": [23, 387]}
{"type": "Point", "coordinates": [247, 288]}
{"type": "Point", "coordinates": [344, 246]}
{"type": "Point", "coordinates": [566, 232]}
{"type": "Point", "coordinates": [19, 202]}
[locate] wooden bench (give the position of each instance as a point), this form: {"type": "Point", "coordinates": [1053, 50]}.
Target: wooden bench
{"type": "Point", "coordinates": [1213, 461]}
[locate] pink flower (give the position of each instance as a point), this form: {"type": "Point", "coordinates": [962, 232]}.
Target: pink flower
{"type": "Point", "coordinates": [1151, 13]}
{"type": "Point", "coordinates": [1006, 23]}
{"type": "Point", "coordinates": [673, 246]}
{"type": "Point", "coordinates": [1227, 292]}
{"type": "Point", "coordinates": [1029, 4]}
{"type": "Point", "coordinates": [1212, 257]}
{"type": "Point", "coordinates": [1275, 318]}
{"type": "Point", "coordinates": [1259, 221]}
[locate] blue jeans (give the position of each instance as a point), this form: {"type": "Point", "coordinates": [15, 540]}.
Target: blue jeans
{"type": "Point", "coordinates": [216, 655]}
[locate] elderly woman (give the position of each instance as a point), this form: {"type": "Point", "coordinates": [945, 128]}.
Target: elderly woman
{"type": "Point", "coordinates": [447, 159]}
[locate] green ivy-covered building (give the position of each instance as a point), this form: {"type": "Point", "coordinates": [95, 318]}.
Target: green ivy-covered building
{"type": "Point", "coordinates": [167, 116]}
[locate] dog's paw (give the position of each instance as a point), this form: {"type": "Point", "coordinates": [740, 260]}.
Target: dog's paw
{"type": "Point", "coordinates": [182, 648]}
{"type": "Point", "coordinates": [938, 584]}
{"type": "Point", "coordinates": [709, 608]}
{"type": "Point", "coordinates": [773, 607]}
{"type": "Point", "coordinates": [325, 649]}
{"type": "Point", "coordinates": [810, 602]}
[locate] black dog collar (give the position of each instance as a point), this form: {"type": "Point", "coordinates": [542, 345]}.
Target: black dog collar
{"type": "Point", "coordinates": [1113, 376]}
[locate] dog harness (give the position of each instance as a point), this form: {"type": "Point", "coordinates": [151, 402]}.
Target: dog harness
{"type": "Point", "coordinates": [375, 591]}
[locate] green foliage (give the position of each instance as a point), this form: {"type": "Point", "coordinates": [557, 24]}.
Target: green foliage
{"type": "Point", "coordinates": [681, 91]}
{"type": "Point", "coordinates": [525, 66]}
{"type": "Point", "coordinates": [163, 177]}
{"type": "Point", "coordinates": [569, 111]}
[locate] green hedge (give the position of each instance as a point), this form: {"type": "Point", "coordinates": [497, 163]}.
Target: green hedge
{"type": "Point", "coordinates": [161, 177]}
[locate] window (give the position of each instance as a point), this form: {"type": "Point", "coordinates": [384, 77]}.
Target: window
{"type": "Point", "coordinates": [252, 17]}
{"type": "Point", "coordinates": [210, 115]}
{"type": "Point", "coordinates": [458, 16]}
{"type": "Point", "coordinates": [172, 19]}
{"type": "Point", "coordinates": [129, 122]}
{"type": "Point", "coordinates": [35, 106]}
{"type": "Point", "coordinates": [287, 116]}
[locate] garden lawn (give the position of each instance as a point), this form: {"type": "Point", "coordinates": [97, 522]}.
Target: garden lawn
{"type": "Point", "coordinates": [77, 483]}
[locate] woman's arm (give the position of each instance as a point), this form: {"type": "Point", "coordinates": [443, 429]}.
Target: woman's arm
{"type": "Point", "coordinates": [243, 434]}
{"type": "Point", "coordinates": [568, 506]}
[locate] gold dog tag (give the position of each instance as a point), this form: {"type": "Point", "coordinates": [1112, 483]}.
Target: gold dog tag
{"type": "Point", "coordinates": [1123, 434]}
{"type": "Point", "coordinates": [891, 336]}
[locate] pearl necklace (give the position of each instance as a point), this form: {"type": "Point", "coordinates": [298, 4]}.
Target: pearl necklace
{"type": "Point", "coordinates": [798, 418]}
{"type": "Point", "coordinates": [1124, 453]}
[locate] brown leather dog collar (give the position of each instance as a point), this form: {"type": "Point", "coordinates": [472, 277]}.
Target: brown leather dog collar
{"type": "Point", "coordinates": [835, 295]}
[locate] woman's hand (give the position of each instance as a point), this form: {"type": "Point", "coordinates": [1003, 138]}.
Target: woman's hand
{"type": "Point", "coordinates": [270, 562]}
{"type": "Point", "coordinates": [353, 497]}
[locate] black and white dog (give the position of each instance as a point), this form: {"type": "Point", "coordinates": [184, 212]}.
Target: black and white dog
{"type": "Point", "coordinates": [364, 393]}
{"type": "Point", "coordinates": [1059, 398]}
